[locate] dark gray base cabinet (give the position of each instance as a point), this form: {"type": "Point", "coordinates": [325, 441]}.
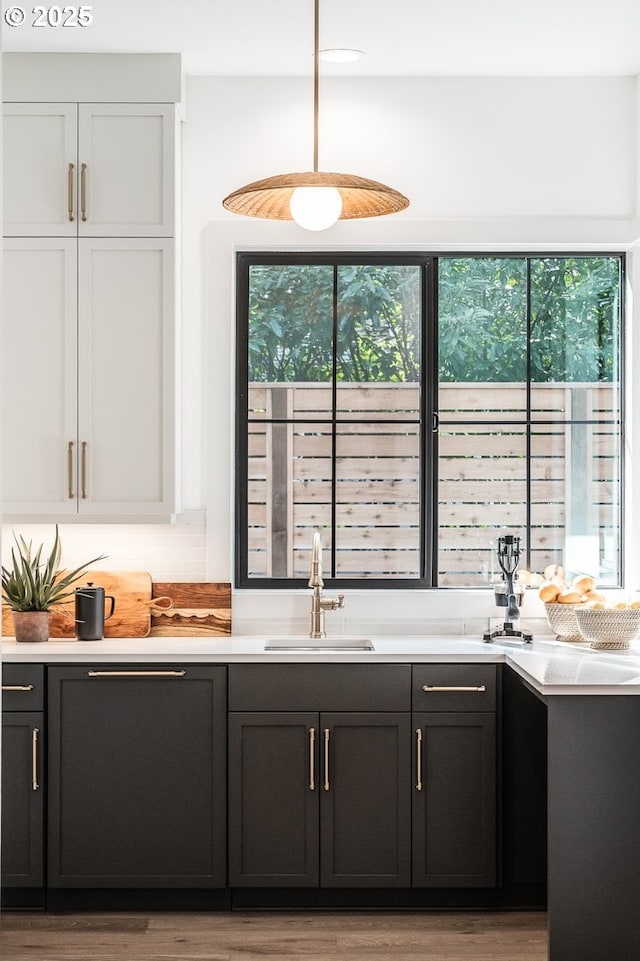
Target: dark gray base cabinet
{"type": "Point", "coordinates": [341, 776]}
{"type": "Point", "coordinates": [454, 800]}
{"type": "Point", "coordinates": [365, 824]}
{"type": "Point", "coordinates": [22, 799]}
{"type": "Point", "coordinates": [334, 782]}
{"type": "Point", "coordinates": [137, 777]}
{"type": "Point", "coordinates": [319, 768]}
{"type": "Point", "coordinates": [319, 799]}
{"type": "Point", "coordinates": [23, 777]}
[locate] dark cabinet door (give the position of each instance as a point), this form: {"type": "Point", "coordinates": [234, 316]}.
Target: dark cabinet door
{"type": "Point", "coordinates": [137, 777]}
{"type": "Point", "coordinates": [274, 788]}
{"type": "Point", "coordinates": [366, 800]}
{"type": "Point", "coordinates": [454, 800]}
{"type": "Point", "coordinates": [22, 794]}
{"type": "Point", "coordinates": [319, 800]}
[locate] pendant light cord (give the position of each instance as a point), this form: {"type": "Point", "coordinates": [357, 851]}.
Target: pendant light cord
{"type": "Point", "coordinates": [316, 81]}
{"type": "Point", "coordinates": [271, 197]}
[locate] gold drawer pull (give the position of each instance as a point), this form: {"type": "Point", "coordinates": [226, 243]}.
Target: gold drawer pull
{"type": "Point", "coordinates": [83, 191]}
{"type": "Point", "coordinates": [70, 191]}
{"type": "Point", "coordinates": [136, 673]}
{"type": "Point", "coordinates": [419, 759]}
{"type": "Point", "coordinates": [17, 687]}
{"type": "Point", "coordinates": [70, 493]}
{"type": "Point", "coordinates": [327, 735]}
{"type": "Point", "coordinates": [312, 759]}
{"type": "Point", "coordinates": [83, 470]}
{"type": "Point", "coordinates": [34, 759]}
{"type": "Point", "coordinates": [428, 689]}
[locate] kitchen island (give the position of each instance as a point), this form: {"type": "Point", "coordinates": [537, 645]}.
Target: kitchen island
{"type": "Point", "coordinates": [592, 766]}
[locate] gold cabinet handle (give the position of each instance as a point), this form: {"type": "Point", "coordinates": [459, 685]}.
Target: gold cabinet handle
{"type": "Point", "coordinates": [428, 689]}
{"type": "Point", "coordinates": [419, 759]}
{"type": "Point", "coordinates": [312, 759]}
{"type": "Point", "coordinates": [34, 759]}
{"type": "Point", "coordinates": [70, 493]}
{"type": "Point", "coordinates": [136, 673]}
{"type": "Point", "coordinates": [83, 470]}
{"type": "Point", "coordinates": [83, 191]}
{"type": "Point", "coordinates": [70, 170]}
{"type": "Point", "coordinates": [326, 785]}
{"type": "Point", "coordinates": [17, 687]}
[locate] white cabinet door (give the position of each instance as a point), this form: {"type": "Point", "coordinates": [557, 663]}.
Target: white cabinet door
{"type": "Point", "coordinates": [93, 170]}
{"type": "Point", "coordinates": [39, 378]}
{"type": "Point", "coordinates": [126, 157]}
{"type": "Point", "coordinates": [88, 378]}
{"type": "Point", "coordinates": [126, 376]}
{"type": "Point", "coordinates": [40, 170]}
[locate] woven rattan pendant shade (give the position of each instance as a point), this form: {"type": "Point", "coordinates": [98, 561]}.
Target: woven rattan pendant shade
{"type": "Point", "coordinates": [270, 198]}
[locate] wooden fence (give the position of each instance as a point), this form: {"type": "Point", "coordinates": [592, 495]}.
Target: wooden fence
{"type": "Point", "coordinates": [483, 490]}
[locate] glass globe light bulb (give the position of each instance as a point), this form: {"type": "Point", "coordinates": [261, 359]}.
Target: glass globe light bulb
{"type": "Point", "coordinates": [315, 208]}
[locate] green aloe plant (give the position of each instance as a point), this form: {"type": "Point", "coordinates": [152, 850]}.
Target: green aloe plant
{"type": "Point", "coordinates": [32, 583]}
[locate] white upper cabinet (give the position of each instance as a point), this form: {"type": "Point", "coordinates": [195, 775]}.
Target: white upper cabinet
{"type": "Point", "coordinates": [39, 149]}
{"type": "Point", "coordinates": [92, 170]}
{"type": "Point", "coordinates": [126, 177]}
{"type": "Point", "coordinates": [89, 328]}
{"type": "Point", "coordinates": [125, 377]}
{"type": "Point", "coordinates": [39, 375]}
{"type": "Point", "coordinates": [87, 378]}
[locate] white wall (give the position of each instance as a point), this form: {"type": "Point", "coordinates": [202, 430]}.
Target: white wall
{"type": "Point", "coordinates": [458, 147]}
{"type": "Point", "coordinates": [488, 163]}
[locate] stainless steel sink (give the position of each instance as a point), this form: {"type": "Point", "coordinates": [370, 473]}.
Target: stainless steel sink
{"type": "Point", "coordinates": [319, 644]}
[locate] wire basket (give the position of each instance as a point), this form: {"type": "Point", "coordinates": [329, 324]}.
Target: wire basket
{"type": "Point", "coordinates": [609, 630]}
{"type": "Point", "coordinates": [562, 621]}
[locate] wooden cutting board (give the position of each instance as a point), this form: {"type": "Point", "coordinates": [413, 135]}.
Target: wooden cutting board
{"type": "Point", "coordinates": [132, 615]}
{"type": "Point", "coordinates": [197, 609]}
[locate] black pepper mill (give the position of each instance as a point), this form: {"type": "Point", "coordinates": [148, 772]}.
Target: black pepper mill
{"type": "Point", "coordinates": [90, 612]}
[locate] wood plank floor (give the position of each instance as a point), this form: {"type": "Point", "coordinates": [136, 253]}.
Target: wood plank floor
{"type": "Point", "coordinates": [254, 936]}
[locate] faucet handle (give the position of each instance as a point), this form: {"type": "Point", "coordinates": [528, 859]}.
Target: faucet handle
{"type": "Point", "coordinates": [332, 603]}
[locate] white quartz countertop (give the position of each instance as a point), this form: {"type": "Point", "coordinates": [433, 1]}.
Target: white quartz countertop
{"type": "Point", "coordinates": [549, 667]}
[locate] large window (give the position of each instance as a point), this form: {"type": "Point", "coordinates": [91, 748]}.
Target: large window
{"type": "Point", "coordinates": [413, 408]}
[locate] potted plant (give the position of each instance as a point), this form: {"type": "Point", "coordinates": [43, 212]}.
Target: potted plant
{"type": "Point", "coordinates": [31, 586]}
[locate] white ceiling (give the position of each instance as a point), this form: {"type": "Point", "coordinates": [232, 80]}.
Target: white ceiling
{"type": "Point", "coordinates": [400, 37]}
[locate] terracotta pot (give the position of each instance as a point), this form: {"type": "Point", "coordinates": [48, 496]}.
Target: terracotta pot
{"type": "Point", "coordinates": [31, 625]}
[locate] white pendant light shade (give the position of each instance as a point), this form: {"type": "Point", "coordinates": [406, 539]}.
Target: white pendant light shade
{"type": "Point", "coordinates": [315, 208]}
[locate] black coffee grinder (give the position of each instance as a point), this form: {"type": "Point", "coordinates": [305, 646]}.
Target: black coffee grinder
{"type": "Point", "coordinates": [507, 594]}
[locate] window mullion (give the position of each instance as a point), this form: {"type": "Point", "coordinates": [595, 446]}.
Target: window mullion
{"type": "Point", "coordinates": [334, 408]}
{"type": "Point", "coordinates": [428, 410]}
{"type": "Point", "coordinates": [528, 479]}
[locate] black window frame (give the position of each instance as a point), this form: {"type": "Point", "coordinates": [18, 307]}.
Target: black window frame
{"type": "Point", "coordinates": [429, 421]}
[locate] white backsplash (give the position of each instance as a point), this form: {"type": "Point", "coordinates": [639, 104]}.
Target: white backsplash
{"type": "Point", "coordinates": [170, 552]}
{"type": "Point", "coordinates": [393, 613]}
{"type": "Point", "coordinates": [178, 552]}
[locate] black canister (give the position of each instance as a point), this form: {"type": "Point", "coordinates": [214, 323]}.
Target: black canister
{"type": "Point", "coordinates": [90, 612]}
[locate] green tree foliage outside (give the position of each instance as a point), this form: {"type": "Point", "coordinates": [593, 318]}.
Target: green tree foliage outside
{"type": "Point", "coordinates": [291, 323]}
{"type": "Point", "coordinates": [483, 303]}
{"type": "Point", "coordinates": [482, 319]}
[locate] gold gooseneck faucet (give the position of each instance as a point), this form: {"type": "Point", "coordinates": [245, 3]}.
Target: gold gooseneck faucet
{"type": "Point", "coordinates": [320, 604]}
